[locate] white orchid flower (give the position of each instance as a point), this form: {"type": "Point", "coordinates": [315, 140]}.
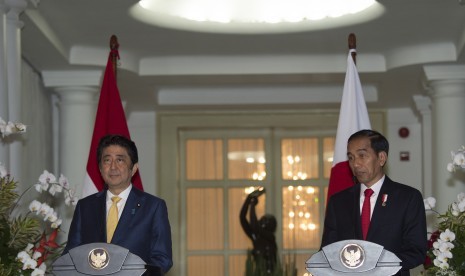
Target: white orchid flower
{"type": "Point", "coordinates": [74, 200]}
{"type": "Point", "coordinates": [55, 188]}
{"type": "Point", "coordinates": [444, 256]}
{"type": "Point", "coordinates": [9, 129]}
{"type": "Point", "coordinates": [461, 206]}
{"type": "Point", "coordinates": [36, 255]}
{"type": "Point", "coordinates": [48, 212]}
{"type": "Point", "coordinates": [447, 235]}
{"type": "Point", "coordinates": [443, 266]}
{"type": "Point", "coordinates": [38, 272]}
{"type": "Point", "coordinates": [3, 171]}
{"type": "Point", "coordinates": [55, 224]}
{"type": "Point", "coordinates": [51, 215]}
{"type": "Point", "coordinates": [23, 256]}
{"type": "Point", "coordinates": [455, 209]}
{"type": "Point", "coordinates": [29, 248]}
{"type": "Point", "coordinates": [450, 167]}
{"type": "Point", "coordinates": [47, 177]}
{"type": "Point", "coordinates": [30, 264]}
{"type": "Point", "coordinates": [35, 206]}
{"type": "Point", "coordinates": [429, 202]}
{"type": "Point", "coordinates": [44, 209]}
{"type": "Point", "coordinates": [445, 247]}
{"type": "Point", "coordinates": [459, 159]}
{"type": "Point", "coordinates": [63, 181]}
{"type": "Point", "coordinates": [20, 127]}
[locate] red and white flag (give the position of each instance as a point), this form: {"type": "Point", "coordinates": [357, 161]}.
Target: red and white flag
{"type": "Point", "coordinates": [353, 117]}
{"type": "Point", "coordinates": [110, 119]}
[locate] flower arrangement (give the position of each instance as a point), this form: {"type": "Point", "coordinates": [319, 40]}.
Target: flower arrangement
{"type": "Point", "coordinates": [28, 241]}
{"type": "Point", "coordinates": [446, 246]}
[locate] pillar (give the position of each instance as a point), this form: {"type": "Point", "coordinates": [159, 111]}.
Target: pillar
{"type": "Point", "coordinates": [447, 83]}
{"type": "Point", "coordinates": [423, 105]}
{"type": "Point", "coordinates": [13, 68]}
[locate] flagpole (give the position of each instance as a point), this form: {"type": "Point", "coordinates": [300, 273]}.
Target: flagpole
{"type": "Point", "coordinates": [353, 45]}
{"type": "Point", "coordinates": [114, 45]}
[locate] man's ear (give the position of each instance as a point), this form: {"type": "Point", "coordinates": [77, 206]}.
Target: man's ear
{"type": "Point", "coordinates": [134, 169]}
{"type": "Point", "coordinates": [382, 156]}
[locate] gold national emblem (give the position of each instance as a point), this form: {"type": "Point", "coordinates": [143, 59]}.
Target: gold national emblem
{"type": "Point", "coordinates": [352, 256]}
{"type": "Point", "coordinates": [98, 258]}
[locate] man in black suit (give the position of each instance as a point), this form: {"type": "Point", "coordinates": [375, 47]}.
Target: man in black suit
{"type": "Point", "coordinates": [398, 220]}
{"type": "Point", "coordinates": [143, 225]}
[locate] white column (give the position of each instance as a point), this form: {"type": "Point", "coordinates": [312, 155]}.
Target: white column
{"type": "Point", "coordinates": [447, 92]}
{"type": "Point", "coordinates": [4, 149]}
{"type": "Point", "coordinates": [77, 91]}
{"type": "Point", "coordinates": [13, 65]}
{"type": "Point", "coordinates": [423, 105]}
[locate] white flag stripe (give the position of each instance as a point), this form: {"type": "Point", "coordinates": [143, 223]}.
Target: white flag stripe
{"type": "Point", "coordinates": [89, 186]}
{"type": "Point", "coordinates": [353, 115]}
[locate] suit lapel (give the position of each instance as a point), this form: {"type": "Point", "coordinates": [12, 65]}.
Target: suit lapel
{"type": "Point", "coordinates": [101, 221]}
{"type": "Point", "coordinates": [356, 214]}
{"type": "Point", "coordinates": [130, 209]}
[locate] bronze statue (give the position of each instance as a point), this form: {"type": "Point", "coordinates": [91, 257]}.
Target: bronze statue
{"type": "Point", "coordinates": [261, 232]}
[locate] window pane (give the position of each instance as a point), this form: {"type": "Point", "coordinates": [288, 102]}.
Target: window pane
{"type": "Point", "coordinates": [205, 265]}
{"type": "Point", "coordinates": [237, 237]}
{"type": "Point", "coordinates": [236, 264]}
{"type": "Point", "coordinates": [246, 159]}
{"type": "Point", "coordinates": [205, 224]}
{"type": "Point", "coordinates": [328, 154]}
{"type": "Point", "coordinates": [301, 217]}
{"type": "Point", "coordinates": [204, 159]}
{"type": "Point", "coordinates": [299, 158]}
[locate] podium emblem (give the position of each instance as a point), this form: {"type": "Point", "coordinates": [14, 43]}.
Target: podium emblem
{"type": "Point", "coordinates": [98, 258]}
{"type": "Point", "coordinates": [352, 256]}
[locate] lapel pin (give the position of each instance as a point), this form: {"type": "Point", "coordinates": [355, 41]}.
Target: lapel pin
{"type": "Point", "coordinates": [384, 199]}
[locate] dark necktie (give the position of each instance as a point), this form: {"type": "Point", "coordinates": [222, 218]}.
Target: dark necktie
{"type": "Point", "coordinates": [366, 212]}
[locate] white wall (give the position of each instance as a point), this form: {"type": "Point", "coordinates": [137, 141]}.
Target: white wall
{"type": "Point", "coordinates": [407, 172]}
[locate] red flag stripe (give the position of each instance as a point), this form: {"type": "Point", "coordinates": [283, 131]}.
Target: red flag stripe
{"type": "Point", "coordinates": [110, 119]}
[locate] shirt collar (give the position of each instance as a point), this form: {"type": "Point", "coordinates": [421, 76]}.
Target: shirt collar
{"type": "Point", "coordinates": [123, 195]}
{"type": "Point", "coordinates": [376, 187]}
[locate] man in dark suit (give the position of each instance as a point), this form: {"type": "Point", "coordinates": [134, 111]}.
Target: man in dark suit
{"type": "Point", "coordinates": [398, 220]}
{"type": "Point", "coordinates": [142, 226]}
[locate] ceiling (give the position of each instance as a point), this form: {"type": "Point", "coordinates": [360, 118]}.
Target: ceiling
{"type": "Point", "coordinates": [163, 68]}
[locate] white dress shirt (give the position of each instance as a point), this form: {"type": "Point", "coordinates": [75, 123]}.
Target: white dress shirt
{"type": "Point", "coordinates": [376, 188]}
{"type": "Point", "coordinates": [124, 197]}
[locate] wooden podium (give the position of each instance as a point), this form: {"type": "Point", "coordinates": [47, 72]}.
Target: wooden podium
{"type": "Point", "coordinates": [102, 259]}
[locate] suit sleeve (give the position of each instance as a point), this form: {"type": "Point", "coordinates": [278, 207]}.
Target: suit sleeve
{"type": "Point", "coordinates": [74, 234]}
{"type": "Point", "coordinates": [160, 251]}
{"type": "Point", "coordinates": [330, 225]}
{"type": "Point", "coordinates": [414, 240]}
